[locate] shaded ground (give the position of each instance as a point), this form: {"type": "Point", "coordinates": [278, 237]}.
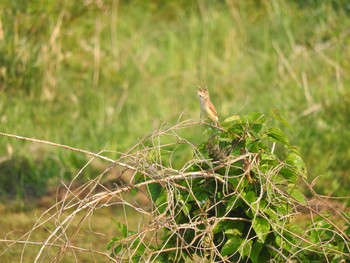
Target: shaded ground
{"type": "Point", "coordinates": [95, 234]}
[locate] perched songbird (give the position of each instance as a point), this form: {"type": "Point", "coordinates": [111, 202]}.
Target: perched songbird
{"type": "Point", "coordinates": [207, 108]}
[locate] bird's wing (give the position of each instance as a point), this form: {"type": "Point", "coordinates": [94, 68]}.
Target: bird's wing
{"type": "Point", "coordinates": [212, 108]}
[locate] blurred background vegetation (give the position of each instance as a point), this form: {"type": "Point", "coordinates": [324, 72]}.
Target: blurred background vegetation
{"type": "Point", "coordinates": [99, 74]}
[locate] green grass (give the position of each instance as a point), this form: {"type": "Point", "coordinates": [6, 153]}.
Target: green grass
{"type": "Point", "coordinates": [102, 75]}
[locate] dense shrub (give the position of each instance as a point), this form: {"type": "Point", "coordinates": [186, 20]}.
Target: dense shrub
{"type": "Point", "coordinates": [236, 201]}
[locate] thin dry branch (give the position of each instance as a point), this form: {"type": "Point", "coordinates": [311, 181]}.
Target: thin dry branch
{"type": "Point", "coordinates": [93, 195]}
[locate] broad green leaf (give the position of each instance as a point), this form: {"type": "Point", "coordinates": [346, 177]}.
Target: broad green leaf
{"type": "Point", "coordinates": [261, 227]}
{"type": "Point", "coordinates": [249, 212]}
{"type": "Point", "coordinates": [276, 114]}
{"type": "Point", "coordinates": [282, 209]}
{"type": "Point", "coordinates": [236, 224]}
{"type": "Point", "coordinates": [233, 203]}
{"type": "Point", "coordinates": [155, 190]}
{"type": "Point", "coordinates": [228, 224]}
{"type": "Point", "coordinates": [161, 200]}
{"type": "Point", "coordinates": [223, 139]}
{"type": "Point", "coordinates": [267, 161]}
{"type": "Point", "coordinates": [254, 254]}
{"type": "Point", "coordinates": [245, 248]}
{"type": "Point", "coordinates": [278, 240]}
{"type": "Point", "coordinates": [231, 246]}
{"type": "Point", "coordinates": [219, 226]}
{"type": "Point", "coordinates": [136, 259]}
{"type": "Point", "coordinates": [231, 119]}
{"type": "Point", "coordinates": [271, 213]}
{"type": "Point", "coordinates": [255, 117]}
{"type": "Point", "coordinates": [186, 208]}
{"type": "Point", "coordinates": [294, 159]}
{"type": "Point", "coordinates": [233, 232]}
{"type": "Point", "coordinates": [296, 229]}
{"type": "Point", "coordinates": [253, 145]}
{"type": "Point", "coordinates": [295, 193]}
{"type": "Point", "coordinates": [263, 204]}
{"type": "Point", "coordinates": [200, 196]}
{"type": "Point", "coordinates": [278, 135]}
{"type": "Point", "coordinates": [285, 241]}
{"type": "Point", "coordinates": [139, 246]}
{"type": "Point", "coordinates": [235, 128]}
{"type": "Point", "coordinates": [122, 229]}
{"type": "Point", "coordinates": [250, 197]}
{"type": "Point", "coordinates": [256, 127]}
{"type": "Point", "coordinates": [234, 181]}
{"type": "Point", "coordinates": [118, 249]}
{"type": "Point", "coordinates": [111, 243]}
{"type": "Point", "coordinates": [289, 174]}
{"type": "Point", "coordinates": [161, 203]}
{"type": "Point", "coordinates": [314, 237]}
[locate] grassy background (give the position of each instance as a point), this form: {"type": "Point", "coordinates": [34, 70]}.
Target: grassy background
{"type": "Point", "coordinates": [101, 74]}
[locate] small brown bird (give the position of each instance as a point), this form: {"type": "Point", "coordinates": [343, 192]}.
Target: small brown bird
{"type": "Point", "coordinates": [207, 108]}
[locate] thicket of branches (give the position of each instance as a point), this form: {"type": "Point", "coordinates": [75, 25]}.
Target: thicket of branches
{"type": "Point", "coordinates": [236, 197]}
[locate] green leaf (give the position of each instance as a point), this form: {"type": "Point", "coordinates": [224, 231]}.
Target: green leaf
{"type": "Point", "coordinates": [186, 208]}
{"type": "Point", "coordinates": [276, 114]}
{"type": "Point", "coordinates": [254, 254]}
{"type": "Point", "coordinates": [155, 190]}
{"type": "Point", "coordinates": [233, 203]}
{"type": "Point", "coordinates": [161, 203]}
{"type": "Point", "coordinates": [282, 209]}
{"type": "Point", "coordinates": [257, 127]}
{"type": "Point", "coordinates": [261, 227]}
{"type": "Point", "coordinates": [272, 213]}
{"type": "Point", "coordinates": [227, 139]}
{"type": "Point", "coordinates": [228, 224]}
{"type": "Point", "coordinates": [245, 248]}
{"type": "Point", "coordinates": [134, 191]}
{"type": "Point", "coordinates": [255, 117]}
{"type": "Point", "coordinates": [111, 243]}
{"type": "Point", "coordinates": [285, 241]}
{"type": "Point", "coordinates": [289, 174]}
{"type": "Point", "coordinates": [250, 197]}
{"type": "Point", "coordinates": [253, 145]}
{"type": "Point", "coordinates": [219, 226]}
{"type": "Point", "coordinates": [294, 159]}
{"type": "Point", "coordinates": [235, 128]}
{"type": "Point", "coordinates": [233, 232]}
{"type": "Point", "coordinates": [118, 249]}
{"type": "Point", "coordinates": [122, 229]}
{"type": "Point", "coordinates": [137, 244]}
{"type": "Point", "coordinates": [269, 160]}
{"type": "Point", "coordinates": [315, 237]}
{"type": "Point", "coordinates": [278, 135]}
{"type": "Point", "coordinates": [232, 118]}
{"type": "Point", "coordinates": [200, 196]}
{"type": "Point", "coordinates": [136, 259]}
{"type": "Point", "coordinates": [297, 195]}
{"type": "Point", "coordinates": [262, 204]}
{"type": "Point", "coordinates": [231, 246]}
